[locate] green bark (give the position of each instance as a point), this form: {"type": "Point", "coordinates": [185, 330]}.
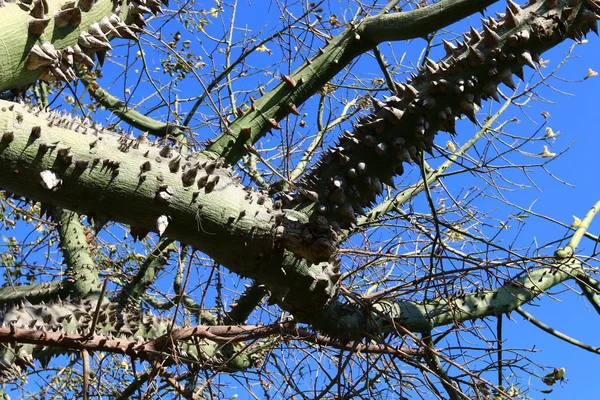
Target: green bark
{"type": "Point", "coordinates": [129, 115]}
{"type": "Point", "coordinates": [17, 39]}
{"type": "Point", "coordinates": [195, 201]}
{"type": "Point", "coordinates": [82, 273]}
{"type": "Point", "coordinates": [199, 203]}
{"type": "Point", "coordinates": [331, 59]}
{"type": "Point", "coordinates": [351, 321]}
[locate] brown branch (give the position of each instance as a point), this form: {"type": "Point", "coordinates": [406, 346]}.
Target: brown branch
{"type": "Point", "coordinates": [151, 350]}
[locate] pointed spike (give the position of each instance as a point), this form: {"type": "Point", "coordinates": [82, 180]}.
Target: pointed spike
{"type": "Point", "coordinates": [411, 92]}
{"type": "Point", "coordinates": [490, 89]}
{"type": "Point", "coordinates": [165, 151]}
{"type": "Point", "coordinates": [36, 26]}
{"type": "Point", "coordinates": [432, 66]}
{"type": "Point", "coordinates": [490, 38]}
{"type": "Point", "coordinates": [526, 58]}
{"type": "Point", "coordinates": [511, 20]}
{"type": "Point", "coordinates": [347, 212]}
{"type": "Point", "coordinates": [594, 27]}
{"type": "Point", "coordinates": [475, 57]}
{"type": "Point", "coordinates": [288, 80]}
{"type": "Point", "coordinates": [400, 88]}
{"type": "Point", "coordinates": [449, 47]}
{"type": "Point", "coordinates": [506, 78]}
{"type": "Point", "coordinates": [8, 136]}
{"type": "Point", "coordinates": [162, 222]}
{"type": "Point", "coordinates": [428, 102]}
{"type": "Point", "coordinates": [99, 223]}
{"type": "Point", "coordinates": [294, 110]}
{"type": "Point", "coordinates": [174, 164]}
{"type": "Point", "coordinates": [394, 115]}
{"type": "Point", "coordinates": [475, 36]}
{"type": "Point", "coordinates": [376, 185]}
{"type": "Point", "coordinates": [519, 73]}
{"type": "Point", "coordinates": [188, 177]}
{"type": "Point", "coordinates": [389, 181]}
{"type": "Point", "coordinates": [273, 124]}
{"type": "Point", "coordinates": [469, 110]}
{"type": "Point", "coordinates": [514, 7]}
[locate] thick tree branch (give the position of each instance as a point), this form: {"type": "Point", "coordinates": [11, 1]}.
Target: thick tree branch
{"type": "Point", "coordinates": [318, 70]}
{"type": "Point", "coordinates": [350, 176]}
{"type": "Point", "coordinates": [35, 292]}
{"type": "Point", "coordinates": [65, 326]}
{"type": "Point", "coordinates": [352, 320]}
{"type": "Point", "coordinates": [27, 31]}
{"type": "Point", "coordinates": [419, 22]}
{"type": "Point", "coordinates": [82, 274]}
{"type": "Point", "coordinates": [64, 162]}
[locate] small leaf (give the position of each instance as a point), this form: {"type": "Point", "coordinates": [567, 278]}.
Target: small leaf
{"type": "Point", "coordinates": [263, 49]}
{"type": "Point", "coordinates": [590, 73]}
{"type": "Point", "coordinates": [124, 364]}
{"type": "Point", "coordinates": [550, 133]}
{"type": "Point", "coordinates": [554, 376]}
{"type": "Point", "coordinates": [576, 222]}
{"type": "Point", "coordinates": [547, 153]}
{"type": "Point", "coordinates": [543, 63]}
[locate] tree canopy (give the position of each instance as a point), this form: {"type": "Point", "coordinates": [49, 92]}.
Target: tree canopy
{"type": "Point", "coordinates": [282, 200]}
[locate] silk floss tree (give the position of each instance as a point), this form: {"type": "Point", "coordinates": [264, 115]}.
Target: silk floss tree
{"type": "Point", "coordinates": [291, 219]}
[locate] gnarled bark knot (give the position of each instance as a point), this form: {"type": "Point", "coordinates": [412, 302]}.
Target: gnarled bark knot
{"type": "Point", "coordinates": [313, 240]}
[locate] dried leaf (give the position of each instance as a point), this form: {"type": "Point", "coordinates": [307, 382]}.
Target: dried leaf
{"type": "Point", "coordinates": [263, 49]}
{"type": "Point", "coordinates": [550, 133]}
{"type": "Point", "coordinates": [590, 73]}
{"type": "Point", "coordinates": [547, 153]}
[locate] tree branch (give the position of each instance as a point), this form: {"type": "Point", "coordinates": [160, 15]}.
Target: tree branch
{"type": "Point", "coordinates": [131, 293]}
{"type": "Point", "coordinates": [555, 333]}
{"type": "Point", "coordinates": [318, 70]}
{"type": "Point", "coordinates": [82, 274]}
{"type": "Point", "coordinates": [188, 198]}
{"type": "Point", "coordinates": [129, 115]}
